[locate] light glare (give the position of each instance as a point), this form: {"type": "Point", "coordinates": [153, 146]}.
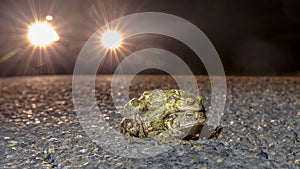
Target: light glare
{"type": "Point", "coordinates": [111, 39]}
{"type": "Point", "coordinates": [49, 18]}
{"type": "Point", "coordinates": [42, 34]}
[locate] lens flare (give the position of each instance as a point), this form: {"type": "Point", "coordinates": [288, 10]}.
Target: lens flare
{"type": "Point", "coordinates": [42, 34]}
{"type": "Point", "coordinates": [111, 39]}
{"type": "Point", "coordinates": [49, 18]}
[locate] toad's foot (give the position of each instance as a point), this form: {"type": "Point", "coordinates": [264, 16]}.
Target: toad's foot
{"type": "Point", "coordinates": [192, 143]}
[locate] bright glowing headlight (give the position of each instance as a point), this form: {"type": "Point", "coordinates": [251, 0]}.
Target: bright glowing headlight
{"type": "Point", "coordinates": [111, 39]}
{"type": "Point", "coordinates": [42, 34]}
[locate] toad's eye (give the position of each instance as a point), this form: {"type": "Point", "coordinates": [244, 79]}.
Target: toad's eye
{"type": "Point", "coordinates": [174, 97]}
{"type": "Point", "coordinates": [189, 115]}
{"type": "Point", "coordinates": [190, 101]}
{"type": "Point", "coordinates": [171, 116]}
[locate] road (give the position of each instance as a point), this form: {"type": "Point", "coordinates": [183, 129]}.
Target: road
{"type": "Point", "coordinates": [40, 128]}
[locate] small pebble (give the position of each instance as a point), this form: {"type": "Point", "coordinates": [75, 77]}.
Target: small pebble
{"type": "Point", "coordinates": [263, 155]}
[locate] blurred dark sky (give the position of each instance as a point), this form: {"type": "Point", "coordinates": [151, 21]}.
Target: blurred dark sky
{"type": "Point", "coordinates": [253, 37]}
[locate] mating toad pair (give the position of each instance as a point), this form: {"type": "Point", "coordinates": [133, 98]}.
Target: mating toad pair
{"type": "Point", "coordinates": [165, 115]}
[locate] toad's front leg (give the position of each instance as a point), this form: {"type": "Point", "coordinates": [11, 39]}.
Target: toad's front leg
{"type": "Point", "coordinates": [130, 128]}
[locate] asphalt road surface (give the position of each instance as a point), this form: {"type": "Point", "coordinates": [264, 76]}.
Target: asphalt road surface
{"type": "Point", "coordinates": [40, 128]}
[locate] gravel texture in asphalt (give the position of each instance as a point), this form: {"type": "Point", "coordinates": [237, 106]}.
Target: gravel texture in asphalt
{"type": "Point", "coordinates": [40, 128]}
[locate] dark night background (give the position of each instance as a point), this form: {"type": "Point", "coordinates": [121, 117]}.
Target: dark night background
{"type": "Point", "coordinates": [255, 37]}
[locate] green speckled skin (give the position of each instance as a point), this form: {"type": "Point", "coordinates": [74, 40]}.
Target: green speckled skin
{"type": "Point", "coordinates": [164, 114]}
